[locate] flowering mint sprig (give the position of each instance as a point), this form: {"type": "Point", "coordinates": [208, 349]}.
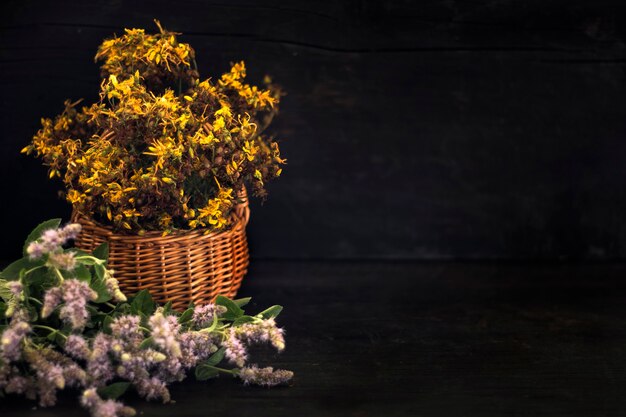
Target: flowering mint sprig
{"type": "Point", "coordinates": [65, 323]}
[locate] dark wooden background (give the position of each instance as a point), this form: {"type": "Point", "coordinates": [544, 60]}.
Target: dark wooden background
{"type": "Point", "coordinates": [414, 130]}
{"type": "Point", "coordinates": [425, 130]}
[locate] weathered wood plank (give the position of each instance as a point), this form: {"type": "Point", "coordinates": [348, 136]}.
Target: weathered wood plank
{"type": "Point", "coordinates": [432, 339]}
{"type": "Point", "coordinates": [416, 131]}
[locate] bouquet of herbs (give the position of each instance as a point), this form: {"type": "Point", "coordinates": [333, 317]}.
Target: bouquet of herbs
{"type": "Point", "coordinates": [64, 323]}
{"type": "Point", "coordinates": [161, 149]}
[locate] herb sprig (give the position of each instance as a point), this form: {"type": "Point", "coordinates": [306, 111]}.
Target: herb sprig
{"type": "Point", "coordinates": [64, 323]}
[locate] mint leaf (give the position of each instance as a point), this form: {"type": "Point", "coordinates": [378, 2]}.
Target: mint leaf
{"type": "Point", "coordinates": [113, 391]}
{"type": "Point", "coordinates": [233, 311]}
{"type": "Point", "coordinates": [81, 273]}
{"type": "Point", "coordinates": [204, 372]}
{"type": "Point", "coordinates": [38, 231]}
{"type": "Point", "coordinates": [102, 251]}
{"type": "Point", "coordinates": [242, 301]}
{"type": "Point", "coordinates": [186, 316]}
{"type": "Point", "coordinates": [99, 286]}
{"type": "Point", "coordinates": [146, 343]}
{"type": "Point", "coordinates": [5, 293]}
{"type": "Point", "coordinates": [143, 303]}
{"type": "Point", "coordinates": [242, 320]}
{"type": "Point", "coordinates": [271, 312]}
{"type": "Point", "coordinates": [215, 358]}
{"type": "Point", "coordinates": [12, 272]}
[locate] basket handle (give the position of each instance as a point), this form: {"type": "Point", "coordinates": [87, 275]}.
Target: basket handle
{"type": "Point", "coordinates": [242, 210]}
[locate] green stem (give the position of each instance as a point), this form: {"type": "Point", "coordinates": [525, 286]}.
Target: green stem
{"type": "Point", "coordinates": [35, 300]}
{"type": "Point", "coordinates": [91, 258]}
{"type": "Point", "coordinates": [33, 269]}
{"type": "Point", "coordinates": [145, 329]}
{"type": "Point", "coordinates": [227, 371]}
{"type": "Point", "coordinates": [110, 305]}
{"type": "Point", "coordinates": [58, 273]}
{"type": "Point", "coordinates": [50, 329]}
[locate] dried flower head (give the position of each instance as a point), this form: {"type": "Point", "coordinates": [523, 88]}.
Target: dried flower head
{"type": "Point", "coordinates": [264, 376]}
{"type": "Point", "coordinates": [162, 149]}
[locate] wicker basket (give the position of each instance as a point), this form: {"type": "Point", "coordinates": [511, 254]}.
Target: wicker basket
{"type": "Point", "coordinates": [181, 267]}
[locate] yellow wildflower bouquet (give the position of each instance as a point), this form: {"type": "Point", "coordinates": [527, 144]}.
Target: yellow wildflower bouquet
{"type": "Point", "coordinates": [161, 149]}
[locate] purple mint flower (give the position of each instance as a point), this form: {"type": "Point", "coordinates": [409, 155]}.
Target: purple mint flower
{"type": "Point", "coordinates": [126, 327]}
{"type": "Point", "coordinates": [113, 286]}
{"type": "Point", "coordinates": [50, 376]}
{"type": "Point", "coordinates": [46, 392]}
{"type": "Point", "coordinates": [275, 334]}
{"type": "Point", "coordinates": [267, 377]}
{"type": "Point", "coordinates": [153, 388]}
{"type": "Point", "coordinates": [263, 331]}
{"type": "Point", "coordinates": [63, 260]}
{"type": "Point", "coordinates": [77, 347]}
{"type": "Point", "coordinates": [164, 331]}
{"type": "Point", "coordinates": [99, 366]}
{"type": "Point", "coordinates": [101, 408]}
{"type": "Point", "coordinates": [51, 240]}
{"type": "Point", "coordinates": [195, 347]}
{"type": "Point", "coordinates": [35, 250]}
{"type": "Point", "coordinates": [54, 374]}
{"type": "Point", "coordinates": [70, 231]}
{"type": "Point", "coordinates": [90, 398]}
{"type": "Point", "coordinates": [16, 288]}
{"type": "Point", "coordinates": [74, 375]}
{"type": "Point", "coordinates": [171, 369]}
{"type": "Point", "coordinates": [51, 300]}
{"type": "Point", "coordinates": [75, 295]}
{"type": "Point", "coordinates": [11, 340]}
{"type": "Point", "coordinates": [235, 350]}
{"type": "Point", "coordinates": [19, 384]}
{"type": "Point", "coordinates": [203, 315]}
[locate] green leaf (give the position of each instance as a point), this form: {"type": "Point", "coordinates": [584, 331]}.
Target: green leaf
{"type": "Point", "coordinates": [100, 287]}
{"type": "Point", "coordinates": [33, 313]}
{"type": "Point", "coordinates": [81, 273]}
{"type": "Point", "coordinates": [233, 311]}
{"type": "Point", "coordinates": [242, 301]}
{"type": "Point", "coordinates": [38, 231]}
{"type": "Point", "coordinates": [215, 358]}
{"type": "Point", "coordinates": [12, 272]}
{"type": "Point", "coordinates": [113, 391]}
{"type": "Point", "coordinates": [5, 293]}
{"type": "Point", "coordinates": [146, 343]}
{"type": "Point", "coordinates": [167, 309]}
{"type": "Point", "coordinates": [204, 372]}
{"type": "Point", "coordinates": [143, 303]}
{"type": "Point", "coordinates": [242, 320]}
{"type": "Point", "coordinates": [40, 277]}
{"type": "Point", "coordinates": [212, 327]}
{"type": "Point", "coordinates": [106, 324]}
{"type": "Point", "coordinates": [52, 335]}
{"type": "Point", "coordinates": [273, 311]}
{"type": "Point", "coordinates": [102, 251]}
{"type": "Point", "coordinates": [186, 316]}
{"type": "Point", "coordinates": [100, 270]}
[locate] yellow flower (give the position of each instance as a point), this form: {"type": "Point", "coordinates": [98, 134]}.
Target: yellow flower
{"type": "Point", "coordinates": [219, 123]}
{"type": "Point", "coordinates": [75, 197]}
{"type": "Point", "coordinates": [165, 220]}
{"type": "Point", "coordinates": [250, 150]}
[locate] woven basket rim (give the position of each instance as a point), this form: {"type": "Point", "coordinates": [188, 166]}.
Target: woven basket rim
{"type": "Point", "coordinates": [239, 215]}
{"type": "Point", "coordinates": [158, 235]}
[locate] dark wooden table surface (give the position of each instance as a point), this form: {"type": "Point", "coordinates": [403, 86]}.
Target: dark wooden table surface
{"type": "Point", "coordinates": [429, 339]}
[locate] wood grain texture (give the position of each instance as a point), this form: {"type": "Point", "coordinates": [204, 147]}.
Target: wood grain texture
{"type": "Point", "coordinates": [413, 130]}
{"type": "Point", "coordinates": [432, 339]}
